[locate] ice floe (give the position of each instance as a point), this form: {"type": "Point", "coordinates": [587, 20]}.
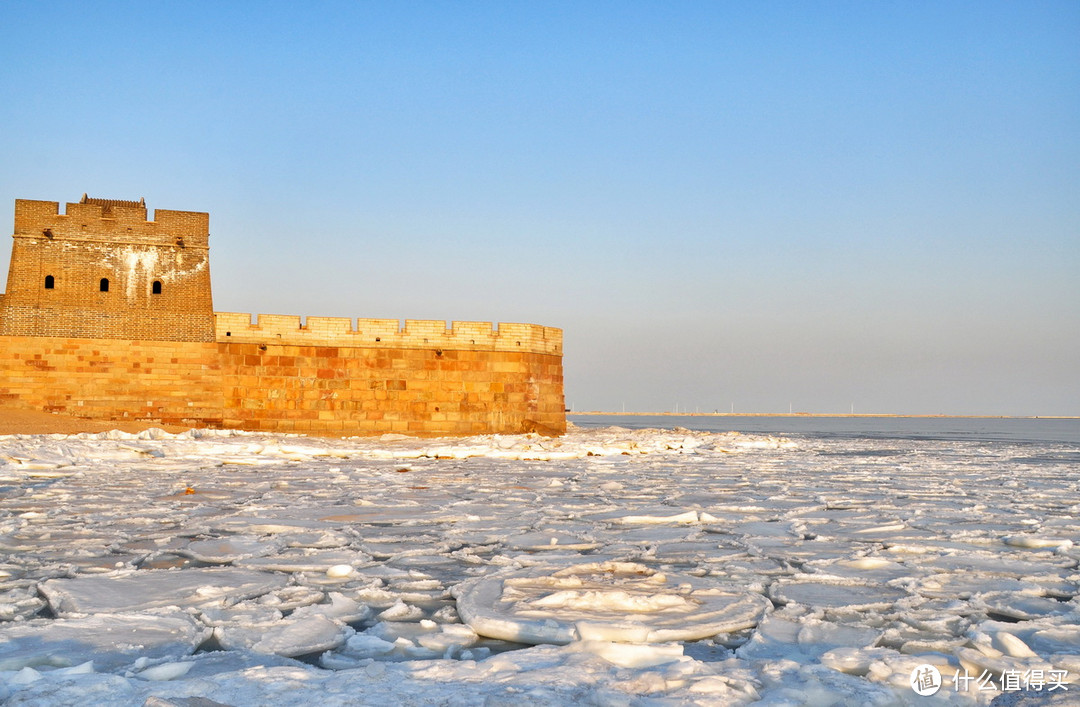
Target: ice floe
{"type": "Point", "coordinates": [606, 601]}
{"type": "Point", "coordinates": [109, 641]}
{"type": "Point", "coordinates": [139, 590]}
{"type": "Point", "coordinates": [609, 566]}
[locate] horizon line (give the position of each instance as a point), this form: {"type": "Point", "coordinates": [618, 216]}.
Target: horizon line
{"type": "Point", "coordinates": [820, 414]}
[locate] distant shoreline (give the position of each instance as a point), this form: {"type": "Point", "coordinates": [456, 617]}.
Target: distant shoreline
{"type": "Point", "coordinates": [820, 414]}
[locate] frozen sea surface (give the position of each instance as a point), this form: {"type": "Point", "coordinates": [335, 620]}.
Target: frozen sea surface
{"type": "Point", "coordinates": [608, 567]}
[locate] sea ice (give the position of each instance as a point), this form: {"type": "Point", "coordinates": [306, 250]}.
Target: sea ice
{"type": "Point", "coordinates": [137, 591]}
{"type": "Point", "coordinates": [304, 560]}
{"type": "Point", "coordinates": [386, 561]}
{"type": "Point", "coordinates": [289, 637]}
{"type": "Point", "coordinates": [227, 550]}
{"type": "Point", "coordinates": [834, 595]}
{"type": "Point", "coordinates": [612, 601]}
{"type": "Point", "coordinates": [110, 641]}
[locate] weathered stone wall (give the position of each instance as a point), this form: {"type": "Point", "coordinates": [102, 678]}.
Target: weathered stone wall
{"type": "Point", "coordinates": [370, 376]}
{"type": "Point", "coordinates": [111, 379]}
{"type": "Point", "coordinates": [386, 333]}
{"type": "Point", "coordinates": [316, 390]}
{"type": "Point", "coordinates": [150, 347]}
{"type": "Point", "coordinates": [346, 391]}
{"type": "Point", "coordinates": [158, 273]}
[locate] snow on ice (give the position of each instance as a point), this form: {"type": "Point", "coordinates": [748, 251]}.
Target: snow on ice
{"type": "Point", "coordinates": [609, 566]}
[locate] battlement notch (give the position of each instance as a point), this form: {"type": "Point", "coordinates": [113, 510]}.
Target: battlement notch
{"type": "Point", "coordinates": [111, 221]}
{"type": "Point", "coordinates": [291, 330]}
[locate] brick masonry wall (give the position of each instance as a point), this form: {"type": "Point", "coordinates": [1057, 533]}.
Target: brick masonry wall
{"type": "Point", "coordinates": [332, 375]}
{"type": "Point", "coordinates": [348, 391]}
{"type": "Point", "coordinates": [59, 260]}
{"type": "Point", "coordinates": [308, 389]}
{"type": "Point", "coordinates": [170, 382]}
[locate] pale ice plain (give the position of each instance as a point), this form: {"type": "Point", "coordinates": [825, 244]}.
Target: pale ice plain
{"type": "Point", "coordinates": [607, 567]}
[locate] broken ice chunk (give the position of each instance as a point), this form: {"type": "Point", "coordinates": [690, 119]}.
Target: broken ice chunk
{"type": "Point", "coordinates": [1020, 606]}
{"type": "Point", "coordinates": [302, 636]}
{"type": "Point", "coordinates": [832, 595]}
{"type": "Point", "coordinates": [855, 661]}
{"type": "Point", "coordinates": [546, 541]}
{"type": "Point", "coordinates": [285, 638]}
{"type": "Point", "coordinates": [401, 611]}
{"type": "Point", "coordinates": [365, 645]}
{"type": "Point", "coordinates": [659, 519]}
{"type": "Point", "coordinates": [111, 641]}
{"type": "Point", "coordinates": [165, 671]}
{"type": "Point", "coordinates": [614, 600]}
{"type": "Point", "coordinates": [633, 655]}
{"type": "Point", "coordinates": [1037, 541]}
{"type": "Point", "coordinates": [225, 550]}
{"type": "Point", "coordinates": [146, 589]}
{"type": "Point", "coordinates": [340, 608]}
{"type": "Point", "coordinates": [315, 561]}
{"type": "Point", "coordinates": [783, 635]}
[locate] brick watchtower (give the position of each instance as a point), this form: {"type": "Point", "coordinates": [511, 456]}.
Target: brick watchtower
{"type": "Point", "coordinates": [103, 271]}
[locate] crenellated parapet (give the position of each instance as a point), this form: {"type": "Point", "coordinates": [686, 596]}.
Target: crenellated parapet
{"type": "Point", "coordinates": [291, 330]}
{"type": "Point", "coordinates": [102, 270]}
{"type": "Point", "coordinates": [111, 221]}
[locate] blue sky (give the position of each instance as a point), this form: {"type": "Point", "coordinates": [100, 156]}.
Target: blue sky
{"type": "Point", "coordinates": [723, 204]}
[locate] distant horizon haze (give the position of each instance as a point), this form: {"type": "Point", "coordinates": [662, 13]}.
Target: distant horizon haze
{"type": "Point", "coordinates": [715, 413]}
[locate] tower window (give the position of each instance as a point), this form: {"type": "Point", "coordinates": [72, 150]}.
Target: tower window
{"type": "Point", "coordinates": [104, 284]}
{"type": "Point", "coordinates": [157, 287]}
{"type": "Point", "coordinates": [50, 282]}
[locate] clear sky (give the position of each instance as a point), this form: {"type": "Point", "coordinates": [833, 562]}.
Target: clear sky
{"type": "Point", "coordinates": [725, 205]}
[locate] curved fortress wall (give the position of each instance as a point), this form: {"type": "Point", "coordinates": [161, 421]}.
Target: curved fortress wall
{"type": "Point", "coordinates": [329, 375]}
{"type": "Point", "coordinates": [67, 345]}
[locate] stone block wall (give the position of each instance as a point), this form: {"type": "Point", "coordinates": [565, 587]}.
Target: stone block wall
{"type": "Point", "coordinates": [371, 376]}
{"type": "Point", "coordinates": [349, 391]}
{"type": "Point", "coordinates": [386, 333]}
{"type": "Point", "coordinates": [109, 379]}
{"type": "Point", "coordinates": [325, 390]}
{"type": "Point", "coordinates": [109, 316]}
{"type": "Point", "coordinates": [157, 273]}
